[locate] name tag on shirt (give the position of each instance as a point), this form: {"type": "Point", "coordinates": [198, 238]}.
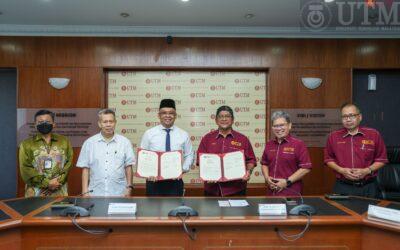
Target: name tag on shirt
{"type": "Point", "coordinates": [47, 164]}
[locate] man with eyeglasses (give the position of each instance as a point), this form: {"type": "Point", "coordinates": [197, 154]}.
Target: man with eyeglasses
{"type": "Point", "coordinates": [285, 160]}
{"type": "Point", "coordinates": [106, 160]}
{"type": "Point", "coordinates": [226, 140]}
{"type": "Point", "coordinates": [355, 153]}
{"type": "Point", "coordinates": [45, 159]}
{"type": "Point", "coordinates": [167, 137]}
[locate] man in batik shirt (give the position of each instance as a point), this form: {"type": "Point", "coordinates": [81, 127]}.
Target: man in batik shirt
{"type": "Point", "coordinates": [45, 159]}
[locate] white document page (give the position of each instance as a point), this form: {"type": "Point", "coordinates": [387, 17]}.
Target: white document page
{"type": "Point", "coordinates": [234, 165]}
{"type": "Point", "coordinates": [238, 203]}
{"type": "Point", "coordinates": [147, 163]}
{"type": "Point", "coordinates": [224, 203]}
{"type": "Point", "coordinates": [171, 165]}
{"type": "Point", "coordinates": [210, 167]}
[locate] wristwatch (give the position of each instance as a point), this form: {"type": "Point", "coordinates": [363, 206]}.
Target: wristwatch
{"type": "Point", "coordinates": [288, 183]}
{"type": "Point", "coordinates": [130, 186]}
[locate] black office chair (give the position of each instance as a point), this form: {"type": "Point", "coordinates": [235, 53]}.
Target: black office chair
{"type": "Point", "coordinates": [389, 176]}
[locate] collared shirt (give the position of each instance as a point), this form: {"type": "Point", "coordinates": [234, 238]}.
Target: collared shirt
{"type": "Point", "coordinates": [215, 143]}
{"type": "Point", "coordinates": [107, 162]}
{"type": "Point", "coordinates": [40, 162]}
{"type": "Point", "coordinates": [285, 158]}
{"type": "Point", "coordinates": [154, 139]}
{"type": "Point", "coordinates": [355, 151]}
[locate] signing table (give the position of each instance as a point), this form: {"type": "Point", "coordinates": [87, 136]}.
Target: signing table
{"type": "Point", "coordinates": [31, 223]}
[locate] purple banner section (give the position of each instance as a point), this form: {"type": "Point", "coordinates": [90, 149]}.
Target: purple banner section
{"type": "Point", "coordinates": [77, 124]}
{"type": "Point", "coordinates": [313, 125]}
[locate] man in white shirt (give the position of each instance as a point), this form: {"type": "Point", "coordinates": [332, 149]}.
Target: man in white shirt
{"type": "Point", "coordinates": [167, 137]}
{"type": "Point", "coordinates": [106, 160]}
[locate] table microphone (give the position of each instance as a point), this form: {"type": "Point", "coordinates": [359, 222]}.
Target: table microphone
{"type": "Point", "coordinates": [183, 209]}
{"type": "Point", "coordinates": [82, 210]}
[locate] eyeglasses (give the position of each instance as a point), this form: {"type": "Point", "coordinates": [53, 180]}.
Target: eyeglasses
{"type": "Point", "coordinates": [224, 117]}
{"type": "Point", "coordinates": [279, 126]}
{"type": "Point", "coordinates": [349, 116]}
{"type": "Point", "coordinates": [167, 113]}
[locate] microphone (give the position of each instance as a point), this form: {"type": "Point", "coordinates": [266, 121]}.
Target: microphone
{"type": "Point", "coordinates": [183, 209]}
{"type": "Point", "coordinates": [82, 210]}
{"type": "Point", "coordinates": [183, 212]}
{"type": "Point", "coordinates": [82, 194]}
{"type": "Point", "coordinates": [302, 209]}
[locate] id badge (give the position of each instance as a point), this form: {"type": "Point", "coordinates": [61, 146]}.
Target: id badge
{"type": "Point", "coordinates": [47, 164]}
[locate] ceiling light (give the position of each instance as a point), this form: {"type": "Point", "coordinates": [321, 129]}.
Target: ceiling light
{"type": "Point", "coordinates": [329, 1]}
{"type": "Point", "coordinates": [185, 0]}
{"type": "Point", "coordinates": [249, 16]}
{"type": "Point", "coordinates": [124, 14]}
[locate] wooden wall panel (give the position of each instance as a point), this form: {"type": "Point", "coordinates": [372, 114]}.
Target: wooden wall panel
{"type": "Point", "coordinates": [85, 90]}
{"type": "Point", "coordinates": [84, 60]}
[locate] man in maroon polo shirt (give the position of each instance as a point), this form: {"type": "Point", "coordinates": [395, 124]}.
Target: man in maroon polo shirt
{"type": "Point", "coordinates": [225, 140]}
{"type": "Point", "coordinates": [355, 153]}
{"type": "Point", "coordinates": [285, 160]}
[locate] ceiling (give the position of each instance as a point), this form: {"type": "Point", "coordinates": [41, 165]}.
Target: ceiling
{"type": "Point", "coordinates": [195, 18]}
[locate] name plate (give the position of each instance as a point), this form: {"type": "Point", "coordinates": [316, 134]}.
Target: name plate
{"type": "Point", "coordinates": [122, 208]}
{"type": "Point", "coordinates": [376, 212]}
{"type": "Point", "coordinates": [272, 209]}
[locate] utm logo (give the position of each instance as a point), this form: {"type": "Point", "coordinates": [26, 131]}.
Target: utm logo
{"type": "Point", "coordinates": [217, 102]}
{"type": "Point", "coordinates": [197, 80]}
{"type": "Point", "coordinates": [259, 130]}
{"type": "Point", "coordinates": [260, 87]}
{"type": "Point", "coordinates": [197, 124]}
{"type": "Point", "coordinates": [242, 124]}
{"type": "Point", "coordinates": [197, 95]}
{"type": "Point", "coordinates": [172, 87]}
{"type": "Point", "coordinates": [195, 138]}
{"type": "Point", "coordinates": [128, 131]}
{"type": "Point", "coordinates": [153, 80]}
{"type": "Point", "coordinates": [197, 109]}
{"type": "Point", "coordinates": [152, 110]}
{"type": "Point", "coordinates": [260, 102]}
{"type": "Point", "coordinates": [242, 109]}
{"type": "Point", "coordinates": [128, 102]}
{"type": "Point", "coordinates": [217, 87]}
{"type": "Point", "coordinates": [259, 144]}
{"type": "Point", "coordinates": [126, 73]}
{"type": "Point", "coordinates": [112, 81]}
{"type": "Point", "coordinates": [153, 95]}
{"type": "Point", "coordinates": [242, 80]}
{"type": "Point", "coordinates": [152, 124]}
{"type": "Point", "coordinates": [259, 116]}
{"type": "Point", "coordinates": [213, 116]}
{"type": "Point", "coordinates": [242, 95]}
{"type": "Point", "coordinates": [128, 116]}
{"type": "Point", "coordinates": [128, 88]}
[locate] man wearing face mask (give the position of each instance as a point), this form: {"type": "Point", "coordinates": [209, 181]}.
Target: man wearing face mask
{"type": "Point", "coordinates": [285, 160]}
{"type": "Point", "coordinates": [45, 159]}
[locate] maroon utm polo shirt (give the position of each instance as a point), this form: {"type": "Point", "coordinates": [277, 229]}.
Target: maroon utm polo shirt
{"type": "Point", "coordinates": [285, 158]}
{"type": "Point", "coordinates": [215, 143]}
{"type": "Point", "coordinates": [358, 151]}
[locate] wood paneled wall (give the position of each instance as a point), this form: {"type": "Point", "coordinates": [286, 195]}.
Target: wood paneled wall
{"type": "Point", "coordinates": [84, 60]}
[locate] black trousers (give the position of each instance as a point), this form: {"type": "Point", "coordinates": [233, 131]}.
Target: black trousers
{"type": "Point", "coordinates": [369, 190]}
{"type": "Point", "coordinates": [164, 188]}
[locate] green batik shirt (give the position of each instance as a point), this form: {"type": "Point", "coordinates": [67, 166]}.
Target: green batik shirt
{"type": "Point", "coordinates": [40, 162]}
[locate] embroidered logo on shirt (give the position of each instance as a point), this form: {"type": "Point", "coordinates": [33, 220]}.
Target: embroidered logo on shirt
{"type": "Point", "coordinates": [368, 142]}
{"type": "Point", "coordinates": [235, 143]}
{"type": "Point", "coordinates": [288, 149]}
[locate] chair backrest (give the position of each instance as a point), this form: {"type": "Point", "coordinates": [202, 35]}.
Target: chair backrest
{"type": "Point", "coordinates": [393, 154]}
{"type": "Point", "coordinates": [389, 177]}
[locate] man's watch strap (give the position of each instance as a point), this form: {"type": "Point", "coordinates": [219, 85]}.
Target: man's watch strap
{"type": "Point", "coordinates": [288, 183]}
{"type": "Point", "coordinates": [129, 186]}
